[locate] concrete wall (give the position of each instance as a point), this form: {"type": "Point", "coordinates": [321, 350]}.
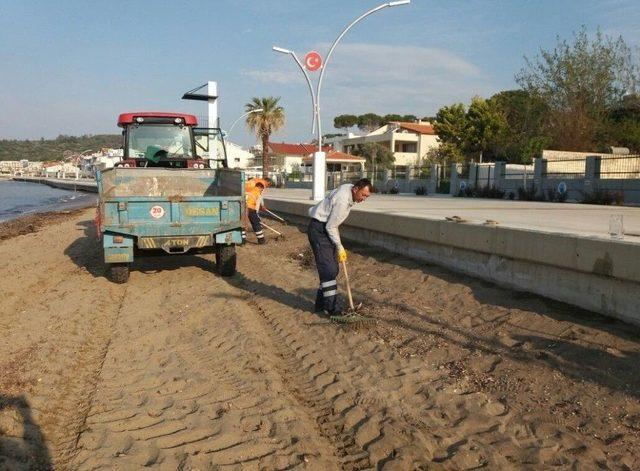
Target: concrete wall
{"type": "Point", "coordinates": [595, 274]}
{"type": "Point", "coordinates": [409, 186]}
{"type": "Point", "coordinates": [630, 188]}
{"type": "Point", "coordinates": [589, 177]}
{"type": "Point", "coordinates": [305, 185]}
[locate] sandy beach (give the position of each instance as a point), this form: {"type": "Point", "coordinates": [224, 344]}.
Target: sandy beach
{"type": "Point", "coordinates": [182, 369]}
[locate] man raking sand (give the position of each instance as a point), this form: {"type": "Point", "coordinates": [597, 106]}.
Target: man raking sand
{"type": "Point", "coordinates": [324, 237]}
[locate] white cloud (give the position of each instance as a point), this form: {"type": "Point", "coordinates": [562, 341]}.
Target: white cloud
{"type": "Point", "coordinates": [403, 79]}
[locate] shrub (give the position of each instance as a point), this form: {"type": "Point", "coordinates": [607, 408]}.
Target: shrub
{"type": "Point", "coordinates": [618, 197]}
{"type": "Point", "coordinates": [394, 191]}
{"type": "Point", "coordinates": [604, 197]}
{"type": "Point", "coordinates": [444, 187]}
{"type": "Point", "coordinates": [484, 192]}
{"type": "Point", "coordinates": [491, 192]}
{"type": "Point", "coordinates": [421, 190]}
{"type": "Point", "coordinates": [527, 194]}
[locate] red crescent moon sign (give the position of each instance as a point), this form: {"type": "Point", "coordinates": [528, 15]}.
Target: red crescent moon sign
{"type": "Point", "coordinates": [312, 61]}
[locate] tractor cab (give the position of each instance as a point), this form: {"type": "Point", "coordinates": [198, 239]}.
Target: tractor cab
{"type": "Point", "coordinates": [155, 139]}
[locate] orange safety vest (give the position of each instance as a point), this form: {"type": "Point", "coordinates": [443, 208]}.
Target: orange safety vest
{"type": "Point", "coordinates": [253, 198]}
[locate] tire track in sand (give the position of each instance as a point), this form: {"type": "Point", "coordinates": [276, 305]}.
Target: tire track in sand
{"type": "Point", "coordinates": [57, 305]}
{"type": "Point", "coordinates": [192, 387]}
{"type": "Point", "coordinates": [382, 410]}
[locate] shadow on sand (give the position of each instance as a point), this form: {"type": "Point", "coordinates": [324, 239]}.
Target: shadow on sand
{"type": "Point", "coordinates": [22, 443]}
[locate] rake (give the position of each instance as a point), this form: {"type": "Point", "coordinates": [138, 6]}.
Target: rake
{"type": "Point", "coordinates": [280, 234]}
{"type": "Point", "coordinates": [275, 216]}
{"type": "Point", "coordinates": [351, 317]}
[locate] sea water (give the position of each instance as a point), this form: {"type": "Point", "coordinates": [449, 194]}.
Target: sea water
{"type": "Point", "coordinates": [20, 198]}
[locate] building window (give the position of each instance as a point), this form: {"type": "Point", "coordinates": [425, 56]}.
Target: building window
{"type": "Point", "coordinates": [410, 147]}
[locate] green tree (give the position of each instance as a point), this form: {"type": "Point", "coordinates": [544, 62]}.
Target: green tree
{"type": "Point", "coordinates": [409, 118]}
{"type": "Point", "coordinates": [377, 156]}
{"type": "Point", "coordinates": [525, 116]}
{"type": "Point", "coordinates": [622, 126]}
{"type": "Point", "coordinates": [345, 121]}
{"type": "Point", "coordinates": [445, 154]}
{"type": "Point", "coordinates": [451, 125]}
{"type": "Point", "coordinates": [580, 82]}
{"type": "Point", "coordinates": [264, 123]}
{"type": "Point", "coordinates": [391, 117]}
{"type": "Point", "coordinates": [486, 129]}
{"type": "Point", "coordinates": [370, 122]}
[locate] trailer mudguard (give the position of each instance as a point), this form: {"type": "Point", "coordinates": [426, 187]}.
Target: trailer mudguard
{"type": "Point", "coordinates": [229, 237]}
{"type": "Point", "coordinates": [117, 252]}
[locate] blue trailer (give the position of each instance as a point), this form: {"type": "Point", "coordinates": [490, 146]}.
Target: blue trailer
{"type": "Point", "coordinates": [160, 198]}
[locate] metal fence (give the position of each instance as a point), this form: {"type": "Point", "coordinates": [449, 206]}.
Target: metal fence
{"type": "Point", "coordinates": [420, 172]}
{"type": "Point", "coordinates": [485, 175]}
{"type": "Point", "coordinates": [619, 167]}
{"type": "Point", "coordinates": [464, 170]}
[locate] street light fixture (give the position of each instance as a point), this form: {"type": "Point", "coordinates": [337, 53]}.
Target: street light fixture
{"type": "Point", "coordinates": [319, 157]}
{"type": "Point", "coordinates": [257, 110]}
{"type": "Point", "coordinates": [306, 76]}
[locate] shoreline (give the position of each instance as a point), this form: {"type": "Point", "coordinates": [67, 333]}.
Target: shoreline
{"type": "Point", "coordinates": [33, 222]}
{"type": "Point", "coordinates": [77, 200]}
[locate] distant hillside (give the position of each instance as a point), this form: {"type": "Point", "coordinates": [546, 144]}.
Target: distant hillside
{"type": "Point", "coordinates": [53, 149]}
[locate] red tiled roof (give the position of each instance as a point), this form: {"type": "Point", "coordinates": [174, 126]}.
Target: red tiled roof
{"type": "Point", "coordinates": [415, 127]}
{"type": "Point", "coordinates": [295, 149]}
{"type": "Point", "coordinates": [335, 156]}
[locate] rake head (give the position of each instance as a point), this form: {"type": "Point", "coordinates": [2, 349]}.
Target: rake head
{"type": "Point", "coordinates": [353, 318]}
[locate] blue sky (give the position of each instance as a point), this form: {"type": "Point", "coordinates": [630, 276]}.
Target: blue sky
{"type": "Point", "coordinates": [70, 66]}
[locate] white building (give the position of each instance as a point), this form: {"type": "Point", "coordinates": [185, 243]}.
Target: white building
{"type": "Point", "coordinates": [409, 142]}
{"type": "Point", "coordinates": [287, 158]}
{"type": "Point", "coordinates": [61, 170]}
{"type": "Point", "coordinates": [237, 157]}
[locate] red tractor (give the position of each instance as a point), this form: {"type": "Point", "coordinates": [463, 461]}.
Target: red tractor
{"type": "Point", "coordinates": [159, 139]}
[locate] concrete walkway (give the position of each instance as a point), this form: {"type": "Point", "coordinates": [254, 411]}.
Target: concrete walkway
{"type": "Point", "coordinates": [567, 218]}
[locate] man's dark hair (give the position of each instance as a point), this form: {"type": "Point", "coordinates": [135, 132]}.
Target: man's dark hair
{"type": "Point", "coordinates": [260, 185]}
{"type": "Point", "coordinates": [363, 183]}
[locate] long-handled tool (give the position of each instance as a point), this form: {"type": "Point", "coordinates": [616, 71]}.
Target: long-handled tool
{"type": "Point", "coordinates": [352, 317]}
{"type": "Point", "coordinates": [275, 215]}
{"type": "Point", "coordinates": [280, 234]}
{"type": "Point", "coordinates": [346, 277]}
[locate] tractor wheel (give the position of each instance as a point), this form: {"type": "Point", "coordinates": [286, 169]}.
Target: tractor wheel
{"type": "Point", "coordinates": [119, 272]}
{"type": "Point", "coordinates": [226, 260]}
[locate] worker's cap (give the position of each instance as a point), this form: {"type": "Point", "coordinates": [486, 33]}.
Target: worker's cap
{"type": "Point", "coordinates": [154, 153]}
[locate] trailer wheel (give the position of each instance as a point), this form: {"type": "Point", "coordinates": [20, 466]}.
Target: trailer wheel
{"type": "Point", "coordinates": [119, 272]}
{"type": "Point", "coordinates": [226, 260]}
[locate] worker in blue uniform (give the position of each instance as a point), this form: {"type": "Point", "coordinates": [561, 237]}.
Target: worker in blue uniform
{"type": "Point", "coordinates": [324, 237]}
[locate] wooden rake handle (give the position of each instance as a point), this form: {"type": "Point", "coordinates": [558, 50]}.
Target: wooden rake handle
{"type": "Point", "coordinates": [346, 277]}
{"type": "Point", "coordinates": [272, 229]}
{"type": "Point", "coordinates": [275, 215]}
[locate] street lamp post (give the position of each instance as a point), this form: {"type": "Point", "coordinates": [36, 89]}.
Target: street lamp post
{"type": "Point", "coordinates": [257, 110]}
{"type": "Point", "coordinates": [319, 157]}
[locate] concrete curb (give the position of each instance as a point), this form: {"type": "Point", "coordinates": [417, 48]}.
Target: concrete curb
{"type": "Point", "coordinates": [595, 274]}
{"type": "Point", "coordinates": [80, 185]}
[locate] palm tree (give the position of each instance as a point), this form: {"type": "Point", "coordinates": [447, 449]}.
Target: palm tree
{"type": "Point", "coordinates": [264, 123]}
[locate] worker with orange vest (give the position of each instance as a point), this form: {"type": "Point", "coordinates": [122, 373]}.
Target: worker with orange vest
{"type": "Point", "coordinates": [254, 204]}
{"type": "Point", "coordinates": [249, 187]}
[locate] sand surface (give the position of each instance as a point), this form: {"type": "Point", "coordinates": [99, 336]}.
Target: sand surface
{"type": "Point", "coordinates": [182, 369]}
